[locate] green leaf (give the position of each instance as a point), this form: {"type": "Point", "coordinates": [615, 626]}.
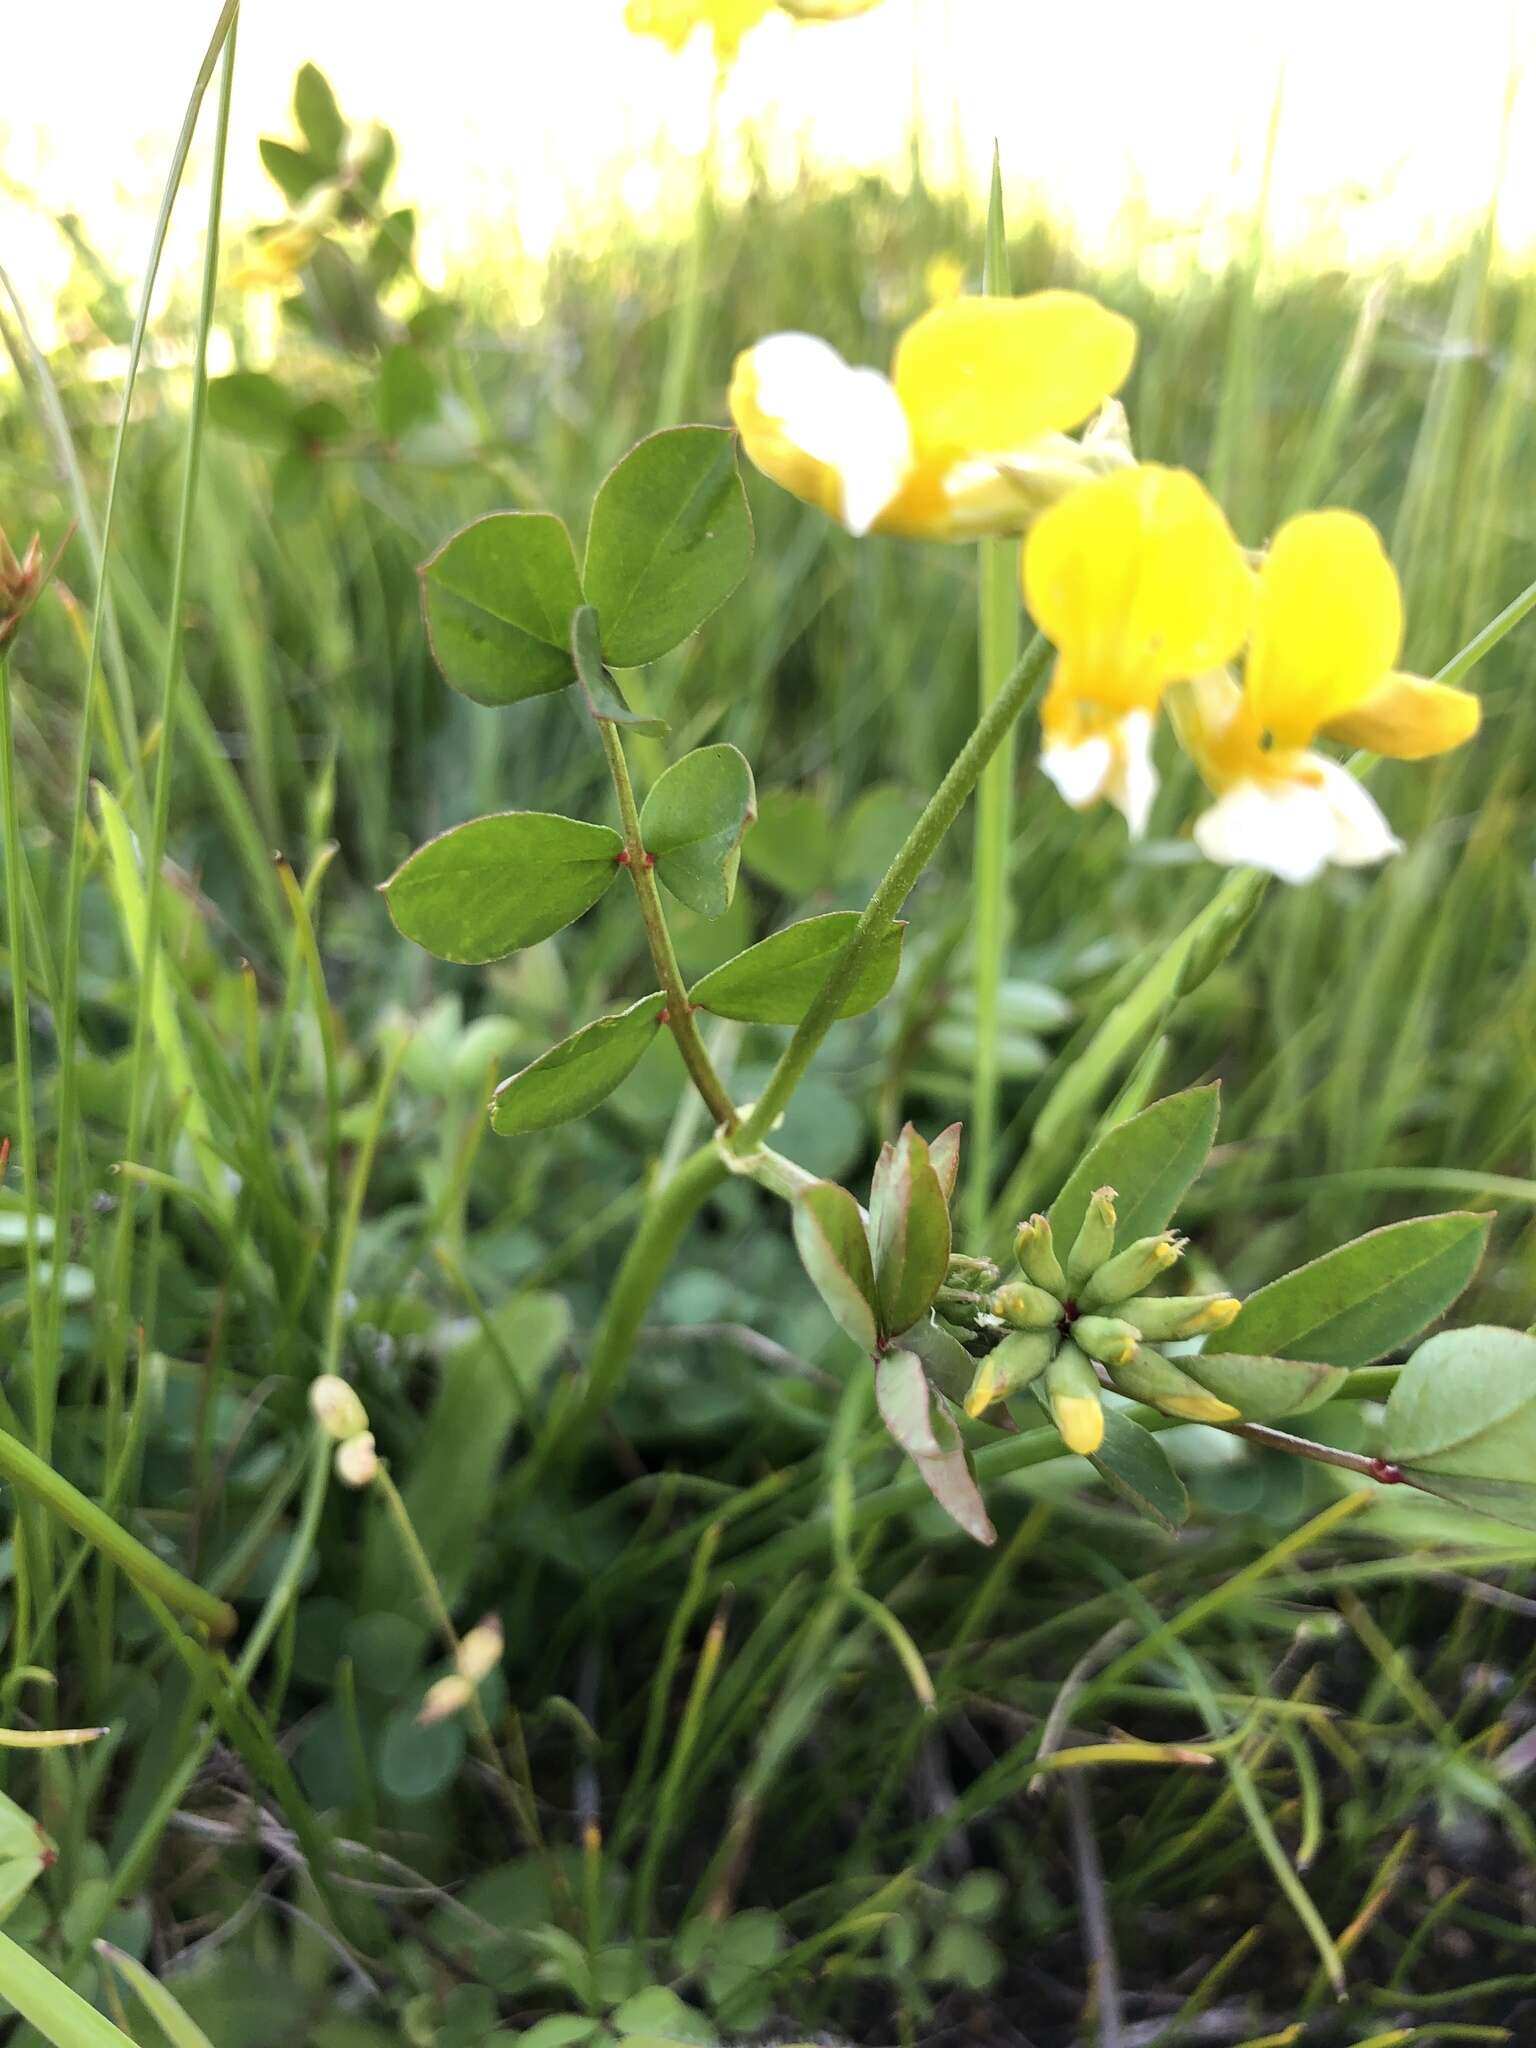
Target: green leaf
{"type": "Point", "coordinates": [670, 540]}
{"type": "Point", "coordinates": [406, 393]}
{"type": "Point", "coordinates": [950, 1480]}
{"type": "Point", "coordinates": [177, 2025]}
{"type": "Point", "coordinates": [1149, 1160]}
{"type": "Point", "coordinates": [1135, 1465]}
{"type": "Point", "coordinates": [60, 2015]}
{"type": "Point", "coordinates": [604, 698]}
{"type": "Point", "coordinates": [489, 887]}
{"type": "Point", "coordinates": [777, 980]}
{"type": "Point", "coordinates": [945, 1359]}
{"type": "Point", "coordinates": [694, 821]}
{"type": "Point", "coordinates": [1465, 1405]}
{"type": "Point", "coordinates": [829, 1236]}
{"type": "Point", "coordinates": [662, 2015]}
{"type": "Point", "coordinates": [578, 1073]}
{"type": "Point", "coordinates": [944, 1151]}
{"type": "Point", "coordinates": [319, 117]}
{"type": "Point", "coordinates": [414, 1762]}
{"type": "Point", "coordinates": [293, 171]}
{"type": "Point", "coordinates": [1507, 1500]}
{"type": "Point", "coordinates": [901, 1390]}
{"type": "Point", "coordinates": [909, 1227]}
{"type": "Point", "coordinates": [499, 597]}
{"type": "Point", "coordinates": [253, 407]}
{"type": "Point", "coordinates": [1363, 1300]}
{"type": "Point", "coordinates": [1264, 1389]}
{"type": "Point", "coordinates": [791, 844]}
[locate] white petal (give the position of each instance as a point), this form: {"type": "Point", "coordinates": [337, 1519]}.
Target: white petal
{"type": "Point", "coordinates": [1133, 782]}
{"type": "Point", "coordinates": [1284, 827]}
{"type": "Point", "coordinates": [849, 419]}
{"type": "Point", "coordinates": [1362, 836]}
{"type": "Point", "coordinates": [1081, 772]}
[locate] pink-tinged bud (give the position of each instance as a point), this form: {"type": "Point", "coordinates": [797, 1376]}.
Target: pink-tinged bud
{"type": "Point", "coordinates": [336, 1407]}
{"type": "Point", "coordinates": [357, 1461]}
{"type": "Point", "coordinates": [20, 582]}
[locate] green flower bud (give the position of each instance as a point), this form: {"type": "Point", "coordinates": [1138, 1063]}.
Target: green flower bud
{"type": "Point", "coordinates": [336, 1407]}
{"type": "Point", "coordinates": [964, 1271]}
{"type": "Point", "coordinates": [1134, 1269]}
{"type": "Point", "coordinates": [1036, 1254]}
{"type": "Point", "coordinates": [1151, 1378]}
{"type": "Point", "coordinates": [1021, 1358]}
{"type": "Point", "coordinates": [1165, 1316]}
{"type": "Point", "coordinates": [1096, 1240]}
{"type": "Point", "coordinates": [1106, 1338]}
{"type": "Point", "coordinates": [1025, 1307]}
{"type": "Point", "coordinates": [1072, 1389]}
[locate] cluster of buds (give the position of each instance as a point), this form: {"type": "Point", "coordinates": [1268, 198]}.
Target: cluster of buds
{"type": "Point", "coordinates": [20, 582]}
{"type": "Point", "coordinates": [476, 1657]}
{"type": "Point", "coordinates": [1061, 1322]}
{"type": "Point", "coordinates": [344, 1419]}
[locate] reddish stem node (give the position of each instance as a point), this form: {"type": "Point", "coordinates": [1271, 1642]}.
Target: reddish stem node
{"type": "Point", "coordinates": [1386, 1473]}
{"type": "Point", "coordinates": [650, 860]}
{"type": "Point", "coordinates": [622, 858]}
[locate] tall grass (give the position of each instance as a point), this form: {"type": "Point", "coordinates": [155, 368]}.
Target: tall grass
{"type": "Point", "coordinates": [758, 1695]}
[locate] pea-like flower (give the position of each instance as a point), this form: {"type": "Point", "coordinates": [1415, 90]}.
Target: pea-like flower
{"type": "Point", "coordinates": [674, 21]}
{"type": "Point", "coordinates": [968, 434]}
{"type": "Point", "coordinates": [1327, 631]}
{"type": "Point", "coordinates": [1139, 582]}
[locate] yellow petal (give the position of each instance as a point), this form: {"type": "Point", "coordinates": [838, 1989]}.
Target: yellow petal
{"type": "Point", "coordinates": [827, 10]}
{"type": "Point", "coordinates": [833, 435]}
{"type": "Point", "coordinates": [1080, 1419]}
{"type": "Point", "coordinates": [1327, 627]}
{"type": "Point", "coordinates": [1410, 719]}
{"type": "Point", "coordinates": [988, 376]}
{"type": "Point", "coordinates": [1139, 582]}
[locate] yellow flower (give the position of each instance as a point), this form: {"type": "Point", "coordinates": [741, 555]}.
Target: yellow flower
{"type": "Point", "coordinates": [827, 10]}
{"type": "Point", "coordinates": [1328, 627]}
{"type": "Point", "coordinates": [965, 437]}
{"type": "Point", "coordinates": [674, 21]}
{"type": "Point", "coordinates": [1139, 583]}
{"type": "Point", "coordinates": [943, 279]}
{"type": "Point", "coordinates": [277, 260]}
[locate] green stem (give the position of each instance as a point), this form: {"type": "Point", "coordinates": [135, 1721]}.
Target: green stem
{"type": "Point", "coordinates": [940, 812]}
{"type": "Point", "coordinates": [998, 624]}
{"type": "Point", "coordinates": [21, 1024]}
{"type": "Point", "coordinates": [680, 1014]}
{"type": "Point", "coordinates": [688, 307]}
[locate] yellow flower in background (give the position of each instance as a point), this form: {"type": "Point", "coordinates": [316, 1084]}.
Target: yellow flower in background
{"type": "Point", "coordinates": [728, 21]}
{"type": "Point", "coordinates": [1138, 582]}
{"type": "Point", "coordinates": [1327, 631]}
{"type": "Point", "coordinates": [943, 279]}
{"type": "Point", "coordinates": [277, 260]}
{"type": "Point", "coordinates": [967, 434]}
{"type": "Point", "coordinates": [827, 10]}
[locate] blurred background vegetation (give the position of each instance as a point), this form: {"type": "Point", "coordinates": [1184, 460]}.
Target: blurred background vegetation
{"type": "Point", "coordinates": [813, 1817]}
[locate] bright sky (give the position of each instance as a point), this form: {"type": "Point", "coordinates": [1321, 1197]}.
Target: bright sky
{"type": "Point", "coordinates": [525, 120]}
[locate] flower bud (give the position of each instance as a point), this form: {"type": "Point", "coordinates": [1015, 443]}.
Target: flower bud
{"type": "Point", "coordinates": [1151, 1378]}
{"type": "Point", "coordinates": [1165, 1316]}
{"type": "Point", "coordinates": [1021, 1358]}
{"type": "Point", "coordinates": [1072, 1389]}
{"type": "Point", "coordinates": [448, 1696]}
{"type": "Point", "coordinates": [20, 582]}
{"type": "Point", "coordinates": [335, 1406]}
{"type": "Point", "coordinates": [357, 1461]}
{"type": "Point", "coordinates": [1106, 1338]}
{"type": "Point", "coordinates": [1134, 1269]}
{"type": "Point", "coordinates": [1036, 1254]}
{"type": "Point", "coordinates": [480, 1651]}
{"type": "Point", "coordinates": [1096, 1239]}
{"type": "Point", "coordinates": [964, 1271]}
{"type": "Point", "coordinates": [1025, 1307]}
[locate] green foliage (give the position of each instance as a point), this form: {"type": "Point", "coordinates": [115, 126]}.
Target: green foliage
{"type": "Point", "coordinates": [1150, 1160]}
{"type": "Point", "coordinates": [482, 890]}
{"type": "Point", "coordinates": [829, 1236]}
{"type": "Point", "coordinates": [574, 1076]}
{"type": "Point", "coordinates": [499, 597]}
{"type": "Point", "coordinates": [777, 980]}
{"type": "Point", "coordinates": [1265, 1389]}
{"type": "Point", "coordinates": [1136, 1467]}
{"type": "Point", "coordinates": [693, 822]}
{"type": "Point", "coordinates": [909, 1225]}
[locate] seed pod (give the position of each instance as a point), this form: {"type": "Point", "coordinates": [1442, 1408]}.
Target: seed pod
{"type": "Point", "coordinates": [357, 1461]}
{"type": "Point", "coordinates": [1072, 1389]}
{"type": "Point", "coordinates": [1025, 1307]}
{"type": "Point", "coordinates": [1162, 1317]}
{"type": "Point", "coordinates": [1134, 1269]}
{"type": "Point", "coordinates": [1021, 1358]}
{"type": "Point", "coordinates": [1036, 1253]}
{"type": "Point", "coordinates": [336, 1407]}
{"type": "Point", "coordinates": [1096, 1239]}
{"type": "Point", "coordinates": [1106, 1338]}
{"type": "Point", "coordinates": [1151, 1378]}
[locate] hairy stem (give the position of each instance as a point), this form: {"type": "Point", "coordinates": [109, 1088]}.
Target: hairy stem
{"type": "Point", "coordinates": [680, 1017]}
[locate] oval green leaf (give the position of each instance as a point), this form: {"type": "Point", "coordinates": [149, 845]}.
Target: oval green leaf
{"type": "Point", "coordinates": [694, 821]}
{"type": "Point", "coordinates": [777, 980]}
{"type": "Point", "coordinates": [829, 1236]}
{"type": "Point", "coordinates": [1363, 1300]}
{"type": "Point", "coordinates": [1465, 1404]}
{"type": "Point", "coordinates": [901, 1390]}
{"type": "Point", "coordinates": [603, 697]}
{"type": "Point", "coordinates": [1265, 1389]}
{"type": "Point", "coordinates": [578, 1073]}
{"type": "Point", "coordinates": [499, 597]}
{"type": "Point", "coordinates": [950, 1480]}
{"type": "Point", "coordinates": [484, 889]}
{"type": "Point", "coordinates": [1134, 1464]}
{"type": "Point", "coordinates": [1150, 1161]}
{"type": "Point", "coordinates": [909, 1226]}
{"type": "Point", "coordinates": [670, 540]}
{"type": "Point", "coordinates": [253, 407]}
